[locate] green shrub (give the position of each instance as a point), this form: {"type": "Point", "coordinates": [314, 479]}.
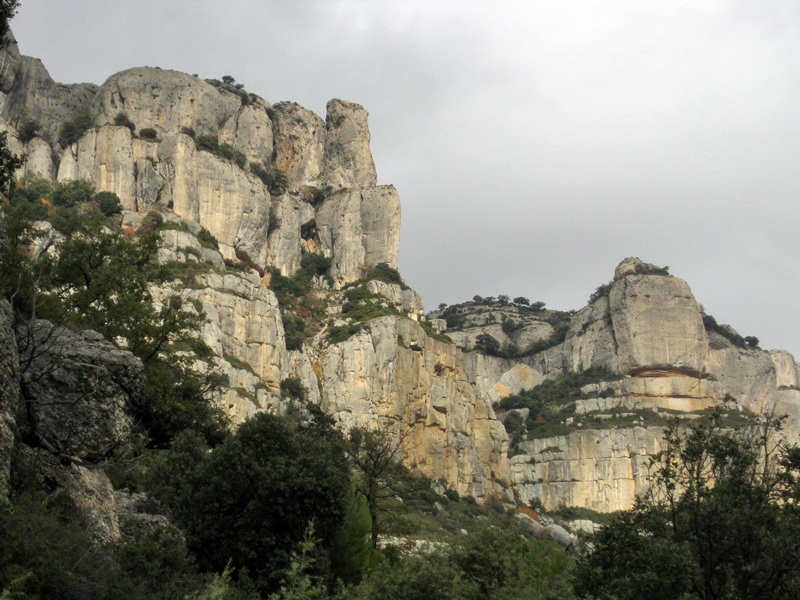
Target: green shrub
{"type": "Point", "coordinates": [123, 121]}
{"type": "Point", "coordinates": [210, 143]}
{"type": "Point", "coordinates": [72, 192]}
{"type": "Point", "coordinates": [73, 129]}
{"type": "Point", "coordinates": [291, 387]}
{"type": "Point", "coordinates": [151, 223]}
{"type": "Point", "coordinates": [383, 272]}
{"type": "Point", "coordinates": [188, 131]}
{"type": "Point", "coordinates": [108, 202]}
{"type": "Point", "coordinates": [274, 179]}
{"type": "Point", "coordinates": [206, 239]}
{"type": "Point", "coordinates": [148, 133]}
{"type": "Point", "coordinates": [29, 130]}
{"type": "Point", "coordinates": [487, 344]}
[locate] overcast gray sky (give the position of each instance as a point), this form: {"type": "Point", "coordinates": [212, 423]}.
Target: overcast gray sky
{"type": "Point", "coordinates": [534, 144]}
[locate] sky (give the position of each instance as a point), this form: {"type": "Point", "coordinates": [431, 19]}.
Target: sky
{"type": "Point", "coordinates": [534, 144]}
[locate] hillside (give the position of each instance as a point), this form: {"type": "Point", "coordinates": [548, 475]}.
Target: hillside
{"type": "Point", "coordinates": [272, 226]}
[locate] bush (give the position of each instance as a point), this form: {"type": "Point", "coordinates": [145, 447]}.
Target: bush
{"type": "Point", "coordinates": [28, 130]}
{"type": "Point", "coordinates": [71, 193]}
{"type": "Point", "coordinates": [274, 179]}
{"type": "Point", "coordinates": [292, 388]}
{"type": "Point", "coordinates": [383, 272]}
{"type": "Point", "coordinates": [108, 202]}
{"type": "Point", "coordinates": [188, 131]}
{"type": "Point", "coordinates": [148, 133]}
{"type": "Point", "coordinates": [210, 143]}
{"type": "Point", "coordinates": [249, 502]}
{"type": "Point", "coordinates": [123, 121]}
{"type": "Point", "coordinates": [73, 129]}
{"type": "Point", "coordinates": [151, 223]}
{"type": "Point", "coordinates": [206, 239]}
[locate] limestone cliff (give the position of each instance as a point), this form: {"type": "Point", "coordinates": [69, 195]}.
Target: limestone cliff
{"type": "Point", "coordinates": [270, 184]}
{"type": "Point", "coordinates": [664, 359]}
{"type": "Point", "coordinates": [255, 194]}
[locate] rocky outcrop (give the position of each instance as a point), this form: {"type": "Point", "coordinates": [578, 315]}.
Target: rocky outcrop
{"type": "Point", "coordinates": [359, 229]}
{"type": "Point", "coordinates": [214, 154]}
{"type": "Point", "coordinates": [602, 469]}
{"type": "Point", "coordinates": [394, 373]}
{"type": "Point", "coordinates": [299, 145]}
{"type": "Point", "coordinates": [348, 160]}
{"type": "Point", "coordinates": [77, 388]}
{"type": "Point", "coordinates": [657, 324]}
{"type": "Point", "coordinates": [165, 101]}
{"type": "Point", "coordinates": [27, 92]}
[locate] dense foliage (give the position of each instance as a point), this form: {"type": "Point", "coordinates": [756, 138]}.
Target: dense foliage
{"type": "Point", "coordinates": [721, 520]}
{"type": "Point", "coordinates": [251, 499]}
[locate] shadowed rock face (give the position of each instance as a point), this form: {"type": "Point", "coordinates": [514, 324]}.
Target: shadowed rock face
{"type": "Point", "coordinates": [77, 388]}
{"type": "Point", "coordinates": [9, 388]}
{"type": "Point", "coordinates": [26, 89]}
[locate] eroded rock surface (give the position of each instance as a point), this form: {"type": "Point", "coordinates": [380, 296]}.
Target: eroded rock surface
{"type": "Point", "coordinates": [420, 384]}
{"type": "Point", "coordinates": [77, 388]}
{"type": "Point", "coordinates": [9, 388]}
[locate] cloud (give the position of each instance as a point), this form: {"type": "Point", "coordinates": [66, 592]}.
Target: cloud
{"type": "Point", "coordinates": [534, 144]}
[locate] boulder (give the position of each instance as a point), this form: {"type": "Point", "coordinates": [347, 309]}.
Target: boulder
{"type": "Point", "coordinates": [77, 389]}
{"type": "Point", "coordinates": [85, 492]}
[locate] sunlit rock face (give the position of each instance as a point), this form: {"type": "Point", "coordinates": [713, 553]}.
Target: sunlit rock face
{"type": "Point", "coordinates": [394, 375]}
{"type": "Point", "coordinates": [657, 324]}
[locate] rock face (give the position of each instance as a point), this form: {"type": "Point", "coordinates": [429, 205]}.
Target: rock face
{"type": "Point", "coordinates": [9, 388]}
{"type": "Point", "coordinates": [191, 167]}
{"type": "Point", "coordinates": [273, 182]}
{"type": "Point", "coordinates": [359, 229]}
{"type": "Point", "coordinates": [28, 92]}
{"type": "Point", "coordinates": [299, 145]}
{"type": "Point", "coordinates": [76, 389]}
{"type": "Point", "coordinates": [395, 373]}
{"type": "Point", "coordinates": [348, 160]}
{"type": "Point", "coordinates": [657, 324]}
{"type": "Point", "coordinates": [602, 469]}
{"type": "Point", "coordinates": [165, 101]}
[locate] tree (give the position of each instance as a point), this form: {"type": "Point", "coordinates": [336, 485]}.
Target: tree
{"type": "Point", "coordinates": [376, 453]}
{"type": "Point", "coordinates": [487, 344]}
{"type": "Point", "coordinates": [720, 520]}
{"type": "Point", "coordinates": [8, 8]}
{"type": "Point", "coordinates": [97, 279]}
{"type": "Point", "coordinates": [73, 128]}
{"type": "Point", "coordinates": [8, 164]}
{"type": "Point", "coordinates": [251, 499]}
